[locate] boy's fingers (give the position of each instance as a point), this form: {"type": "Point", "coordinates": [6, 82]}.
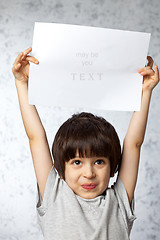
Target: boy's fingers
{"type": "Point", "coordinates": [144, 69]}
{"type": "Point", "coordinates": [150, 61]}
{"type": "Point", "coordinates": [17, 67]}
{"type": "Point", "coordinates": [32, 59]}
{"type": "Point", "coordinates": [156, 72]}
{"type": "Point", "coordinates": [27, 51]}
{"type": "Point", "coordinates": [23, 58]}
{"type": "Point", "coordinates": [19, 58]}
{"type": "Point", "coordinates": [147, 71]}
{"type": "Point", "coordinates": [22, 55]}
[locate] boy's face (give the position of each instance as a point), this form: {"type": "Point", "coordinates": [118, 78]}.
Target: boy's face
{"type": "Point", "coordinates": [80, 172]}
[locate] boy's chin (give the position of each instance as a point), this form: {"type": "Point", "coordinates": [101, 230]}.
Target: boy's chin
{"type": "Point", "coordinates": [89, 195]}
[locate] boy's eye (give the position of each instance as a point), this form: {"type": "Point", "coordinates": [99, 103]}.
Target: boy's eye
{"type": "Point", "coordinates": [77, 162]}
{"type": "Point", "coordinates": [100, 161]}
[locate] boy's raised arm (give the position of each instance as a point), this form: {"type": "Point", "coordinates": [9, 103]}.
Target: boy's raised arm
{"type": "Point", "coordinates": [34, 129]}
{"type": "Point", "coordinates": [136, 131]}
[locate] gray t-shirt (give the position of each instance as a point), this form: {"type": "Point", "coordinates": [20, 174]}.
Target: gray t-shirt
{"type": "Point", "coordinates": [65, 215]}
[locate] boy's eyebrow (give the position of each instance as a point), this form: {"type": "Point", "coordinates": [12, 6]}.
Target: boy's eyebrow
{"type": "Point", "coordinates": [104, 158]}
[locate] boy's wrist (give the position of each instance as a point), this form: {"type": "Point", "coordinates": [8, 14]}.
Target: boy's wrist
{"type": "Point", "coordinates": [147, 91]}
{"type": "Point", "coordinates": [20, 83]}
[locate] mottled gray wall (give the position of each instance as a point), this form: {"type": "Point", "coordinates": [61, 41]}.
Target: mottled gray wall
{"type": "Point", "coordinates": [17, 179]}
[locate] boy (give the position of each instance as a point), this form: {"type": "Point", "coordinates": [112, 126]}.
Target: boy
{"type": "Point", "coordinates": [74, 200]}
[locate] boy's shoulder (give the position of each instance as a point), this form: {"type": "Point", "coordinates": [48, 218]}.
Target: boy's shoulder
{"type": "Point", "coordinates": [118, 191]}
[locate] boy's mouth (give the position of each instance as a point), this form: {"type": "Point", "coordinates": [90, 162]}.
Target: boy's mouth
{"type": "Point", "coordinates": [88, 186]}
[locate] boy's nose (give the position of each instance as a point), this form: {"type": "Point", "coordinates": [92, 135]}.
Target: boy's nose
{"type": "Point", "coordinates": [89, 172]}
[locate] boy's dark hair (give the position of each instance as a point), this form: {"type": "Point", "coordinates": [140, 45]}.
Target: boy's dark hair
{"type": "Point", "coordinates": [92, 136]}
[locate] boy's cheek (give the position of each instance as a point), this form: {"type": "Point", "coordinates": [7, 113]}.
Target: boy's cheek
{"type": "Point", "coordinates": [71, 176]}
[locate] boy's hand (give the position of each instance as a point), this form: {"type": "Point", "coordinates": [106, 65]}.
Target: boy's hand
{"type": "Point", "coordinates": [150, 77]}
{"type": "Point", "coordinates": [21, 65]}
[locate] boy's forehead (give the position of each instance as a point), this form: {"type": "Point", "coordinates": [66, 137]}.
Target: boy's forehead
{"type": "Point", "coordinates": [90, 157]}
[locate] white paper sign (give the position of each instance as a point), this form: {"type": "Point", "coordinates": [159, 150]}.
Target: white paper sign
{"type": "Point", "coordinates": [81, 66]}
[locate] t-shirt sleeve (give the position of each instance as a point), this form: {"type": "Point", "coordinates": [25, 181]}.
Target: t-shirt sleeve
{"type": "Point", "coordinates": [126, 208]}
{"type": "Point", "coordinates": [52, 179]}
